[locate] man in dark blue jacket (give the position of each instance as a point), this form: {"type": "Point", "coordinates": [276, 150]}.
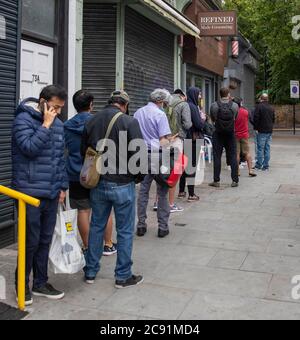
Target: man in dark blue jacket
{"type": "Point", "coordinates": [39, 170]}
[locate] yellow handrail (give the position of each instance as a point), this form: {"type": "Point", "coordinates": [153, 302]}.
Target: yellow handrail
{"type": "Point", "coordinates": [23, 200]}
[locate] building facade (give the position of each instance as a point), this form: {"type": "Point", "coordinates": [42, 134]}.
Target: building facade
{"type": "Point", "coordinates": [131, 45]}
{"type": "Point", "coordinates": [205, 58]}
{"type": "Point", "coordinates": [240, 73]}
{"type": "Point", "coordinates": [33, 54]}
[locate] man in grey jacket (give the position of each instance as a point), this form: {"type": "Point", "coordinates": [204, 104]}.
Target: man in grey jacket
{"type": "Point", "coordinates": [180, 124]}
{"type": "Point", "coordinates": [181, 115]}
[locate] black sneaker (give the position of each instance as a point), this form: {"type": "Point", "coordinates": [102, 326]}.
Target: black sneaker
{"type": "Point", "coordinates": [234, 185]}
{"type": "Point", "coordinates": [89, 280]}
{"type": "Point", "coordinates": [163, 233]}
{"type": "Point", "coordinates": [215, 184]}
{"type": "Point", "coordinates": [109, 251]}
{"type": "Point", "coordinates": [141, 232]}
{"type": "Point", "coordinates": [48, 292]}
{"type": "Point", "coordinates": [28, 296]}
{"type": "Point", "coordinates": [131, 282]}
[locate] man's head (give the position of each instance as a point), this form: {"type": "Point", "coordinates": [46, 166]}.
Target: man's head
{"type": "Point", "coordinates": [264, 97]}
{"type": "Point", "coordinates": [238, 101]}
{"type": "Point", "coordinates": [225, 93]}
{"type": "Point", "coordinates": [121, 100]}
{"type": "Point", "coordinates": [160, 97]}
{"type": "Point", "coordinates": [54, 96]}
{"type": "Point", "coordinates": [181, 94]}
{"type": "Point", "coordinates": [83, 101]}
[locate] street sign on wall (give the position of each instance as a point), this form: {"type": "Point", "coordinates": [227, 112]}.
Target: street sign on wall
{"type": "Point", "coordinates": [218, 23]}
{"type": "Point", "coordinates": [295, 93]}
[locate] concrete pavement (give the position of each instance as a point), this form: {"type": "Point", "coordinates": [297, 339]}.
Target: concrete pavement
{"type": "Point", "coordinates": [231, 256]}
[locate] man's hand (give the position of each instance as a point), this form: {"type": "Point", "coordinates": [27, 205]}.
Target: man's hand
{"type": "Point", "coordinates": [62, 197]}
{"type": "Point", "coordinates": [173, 138]}
{"type": "Point", "coordinates": [49, 116]}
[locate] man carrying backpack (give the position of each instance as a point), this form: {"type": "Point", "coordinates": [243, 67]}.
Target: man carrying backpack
{"type": "Point", "coordinates": [223, 114]}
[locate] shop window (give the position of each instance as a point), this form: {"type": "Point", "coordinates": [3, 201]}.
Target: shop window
{"type": "Point", "coordinates": [38, 17]}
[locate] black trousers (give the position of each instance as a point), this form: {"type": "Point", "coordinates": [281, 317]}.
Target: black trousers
{"type": "Point", "coordinates": [40, 225]}
{"type": "Point", "coordinates": [193, 162]}
{"type": "Point", "coordinates": [227, 141]}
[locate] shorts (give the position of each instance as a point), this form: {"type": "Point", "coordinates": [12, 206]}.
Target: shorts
{"type": "Point", "coordinates": [80, 204]}
{"type": "Point", "coordinates": [243, 146]}
{"type": "Point", "coordinates": [79, 197]}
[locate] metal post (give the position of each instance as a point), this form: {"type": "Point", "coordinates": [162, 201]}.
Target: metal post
{"type": "Point", "coordinates": [21, 254]}
{"type": "Point", "coordinates": [294, 112]}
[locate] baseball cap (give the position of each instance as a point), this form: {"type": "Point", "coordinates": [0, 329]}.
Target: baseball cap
{"type": "Point", "coordinates": [120, 94]}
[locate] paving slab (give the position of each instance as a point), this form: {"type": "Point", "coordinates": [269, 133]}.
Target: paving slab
{"type": "Point", "coordinates": [273, 264]}
{"type": "Point", "coordinates": [225, 307]}
{"type": "Point", "coordinates": [228, 259]}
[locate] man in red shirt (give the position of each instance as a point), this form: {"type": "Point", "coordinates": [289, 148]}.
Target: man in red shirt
{"type": "Point", "coordinates": [242, 135]}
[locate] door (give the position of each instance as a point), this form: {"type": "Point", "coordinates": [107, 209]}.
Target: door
{"type": "Point", "coordinates": [36, 68]}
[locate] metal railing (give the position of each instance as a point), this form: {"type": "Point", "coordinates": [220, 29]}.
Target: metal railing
{"type": "Point", "coordinates": [23, 200]}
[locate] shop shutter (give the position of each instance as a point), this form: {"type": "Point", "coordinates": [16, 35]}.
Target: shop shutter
{"type": "Point", "coordinates": [99, 51]}
{"type": "Point", "coordinates": [8, 90]}
{"type": "Point", "coordinates": [149, 58]}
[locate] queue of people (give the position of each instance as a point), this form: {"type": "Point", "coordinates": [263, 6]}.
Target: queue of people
{"type": "Point", "coordinates": [48, 157]}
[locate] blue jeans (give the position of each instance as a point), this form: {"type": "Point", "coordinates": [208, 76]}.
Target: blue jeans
{"type": "Point", "coordinates": [263, 150]}
{"type": "Point", "coordinates": [122, 199]}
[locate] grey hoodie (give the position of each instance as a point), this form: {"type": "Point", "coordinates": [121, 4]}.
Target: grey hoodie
{"type": "Point", "coordinates": [183, 113]}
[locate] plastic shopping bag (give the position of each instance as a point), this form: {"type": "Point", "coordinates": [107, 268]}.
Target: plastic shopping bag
{"type": "Point", "coordinates": [66, 256]}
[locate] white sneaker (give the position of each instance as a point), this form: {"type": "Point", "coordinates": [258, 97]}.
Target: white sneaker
{"type": "Point", "coordinates": [175, 209]}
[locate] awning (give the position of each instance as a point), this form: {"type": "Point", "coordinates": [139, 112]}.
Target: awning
{"type": "Point", "coordinates": [173, 16]}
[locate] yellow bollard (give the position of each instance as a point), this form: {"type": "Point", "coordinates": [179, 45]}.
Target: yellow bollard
{"type": "Point", "coordinates": [22, 256]}
{"type": "Point", "coordinates": [23, 200]}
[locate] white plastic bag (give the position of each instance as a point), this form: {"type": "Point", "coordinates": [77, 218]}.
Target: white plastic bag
{"type": "Point", "coordinates": [66, 256]}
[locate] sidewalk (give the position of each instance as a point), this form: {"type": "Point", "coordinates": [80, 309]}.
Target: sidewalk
{"type": "Point", "coordinates": [231, 256]}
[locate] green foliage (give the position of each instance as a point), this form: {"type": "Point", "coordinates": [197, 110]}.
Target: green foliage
{"type": "Point", "coordinates": [268, 25]}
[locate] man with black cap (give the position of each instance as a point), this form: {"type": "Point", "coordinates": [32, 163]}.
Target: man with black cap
{"type": "Point", "coordinates": [116, 189]}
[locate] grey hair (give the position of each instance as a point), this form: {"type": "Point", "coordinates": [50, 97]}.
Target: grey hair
{"type": "Point", "coordinates": [264, 97]}
{"type": "Point", "coordinates": [160, 95]}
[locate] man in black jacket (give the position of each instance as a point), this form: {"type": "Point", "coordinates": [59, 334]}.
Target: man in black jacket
{"type": "Point", "coordinates": [264, 119]}
{"type": "Point", "coordinates": [223, 114]}
{"type": "Point", "coordinates": [116, 188]}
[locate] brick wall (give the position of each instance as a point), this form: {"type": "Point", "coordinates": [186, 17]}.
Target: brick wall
{"type": "Point", "coordinates": [285, 116]}
{"type": "Point", "coordinates": [208, 53]}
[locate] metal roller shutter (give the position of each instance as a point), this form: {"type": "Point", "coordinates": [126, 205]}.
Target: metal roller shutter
{"type": "Point", "coordinates": [149, 58]}
{"type": "Point", "coordinates": [8, 82]}
{"type": "Point", "coordinates": [99, 50]}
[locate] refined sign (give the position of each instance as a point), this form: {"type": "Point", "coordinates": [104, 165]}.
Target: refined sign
{"type": "Point", "coordinates": [218, 23]}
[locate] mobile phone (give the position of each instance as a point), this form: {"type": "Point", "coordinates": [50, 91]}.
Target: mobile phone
{"type": "Point", "coordinates": [42, 106]}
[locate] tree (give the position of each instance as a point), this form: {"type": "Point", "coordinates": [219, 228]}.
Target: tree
{"type": "Point", "coordinates": [268, 25]}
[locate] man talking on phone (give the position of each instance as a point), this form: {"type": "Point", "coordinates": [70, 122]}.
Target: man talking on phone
{"type": "Point", "coordinates": [39, 170]}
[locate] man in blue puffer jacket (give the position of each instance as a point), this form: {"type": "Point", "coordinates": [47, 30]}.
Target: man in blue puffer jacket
{"type": "Point", "coordinates": [39, 170]}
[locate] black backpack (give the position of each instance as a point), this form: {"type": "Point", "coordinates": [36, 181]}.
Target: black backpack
{"type": "Point", "coordinates": [225, 118]}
